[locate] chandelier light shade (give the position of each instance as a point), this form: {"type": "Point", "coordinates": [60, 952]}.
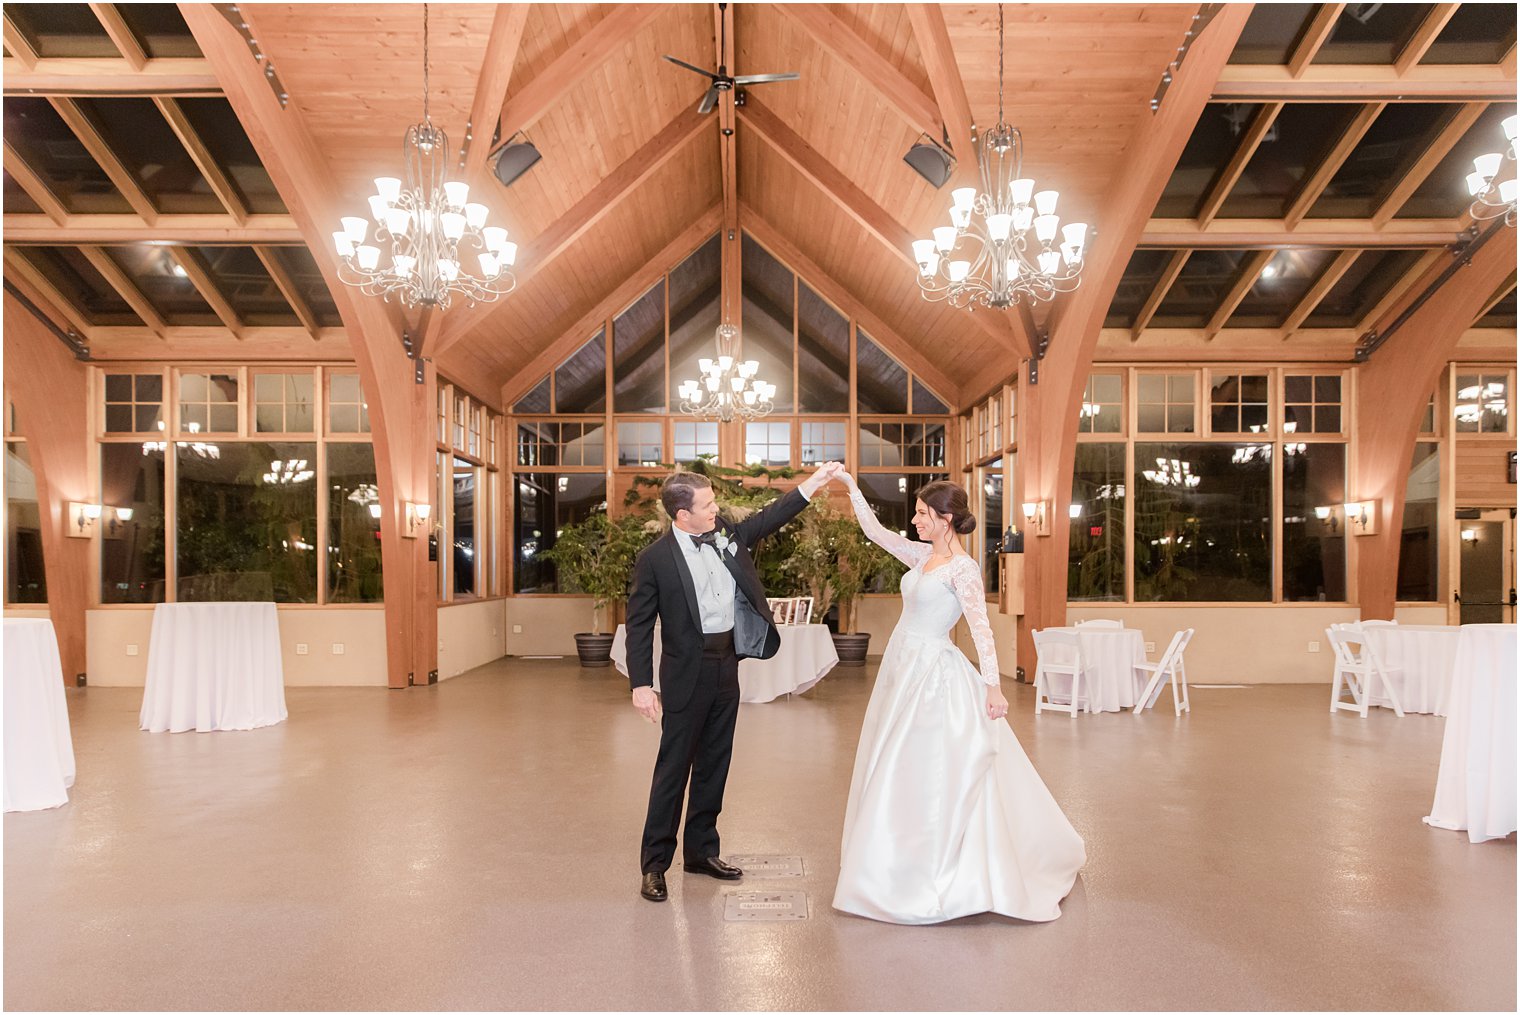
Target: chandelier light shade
{"type": "Point", "coordinates": [424, 241]}
{"type": "Point", "coordinates": [728, 388]}
{"type": "Point", "coordinates": [1004, 242]}
{"type": "Point", "coordinates": [1492, 197]}
{"type": "Point", "coordinates": [1171, 472]}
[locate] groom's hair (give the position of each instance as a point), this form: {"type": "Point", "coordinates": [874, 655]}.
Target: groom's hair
{"type": "Point", "coordinates": [680, 490]}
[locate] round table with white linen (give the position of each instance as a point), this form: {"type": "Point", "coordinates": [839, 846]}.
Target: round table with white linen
{"type": "Point", "coordinates": [39, 750]}
{"type": "Point", "coordinates": [213, 666]}
{"type": "Point", "coordinates": [1475, 788]}
{"type": "Point", "coordinates": [1425, 653]}
{"type": "Point", "coordinates": [805, 656]}
{"type": "Point", "coordinates": [1109, 655]}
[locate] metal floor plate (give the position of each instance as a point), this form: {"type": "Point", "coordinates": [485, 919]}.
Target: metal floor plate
{"type": "Point", "coordinates": [757, 907]}
{"type": "Point", "coordinates": [760, 866]}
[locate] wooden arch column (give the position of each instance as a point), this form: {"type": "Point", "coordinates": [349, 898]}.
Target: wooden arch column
{"type": "Point", "coordinates": [1392, 389]}
{"type": "Point", "coordinates": [51, 391]}
{"type": "Point", "coordinates": [401, 410]}
{"type": "Point", "coordinates": [1047, 410]}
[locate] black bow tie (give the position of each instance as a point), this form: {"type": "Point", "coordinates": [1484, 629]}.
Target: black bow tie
{"type": "Point", "coordinates": [707, 539]}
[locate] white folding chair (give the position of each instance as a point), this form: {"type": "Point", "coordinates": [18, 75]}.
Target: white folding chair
{"type": "Point", "coordinates": [1101, 623]}
{"type": "Point", "coordinates": [1057, 653]}
{"type": "Point", "coordinates": [1168, 666]}
{"type": "Point", "coordinates": [1356, 668]}
{"type": "Point", "coordinates": [1379, 623]}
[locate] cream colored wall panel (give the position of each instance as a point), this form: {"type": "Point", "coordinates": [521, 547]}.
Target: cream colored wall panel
{"type": "Point", "coordinates": [470, 635]}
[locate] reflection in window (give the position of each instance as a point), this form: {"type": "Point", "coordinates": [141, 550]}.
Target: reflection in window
{"type": "Point", "coordinates": [1238, 403]}
{"type": "Point", "coordinates": [545, 443]}
{"type": "Point", "coordinates": [208, 403]}
{"type": "Point", "coordinates": [1102, 404]}
{"type": "Point", "coordinates": [353, 527]}
{"type": "Point", "coordinates": [823, 442]}
{"type": "Point", "coordinates": [695, 313]}
{"type": "Point", "coordinates": [347, 410]}
{"type": "Point", "coordinates": [1419, 534]}
{"type": "Point", "coordinates": [132, 552]}
{"type": "Point", "coordinates": [247, 523]}
{"type": "Point", "coordinates": [638, 355]}
{"type": "Point", "coordinates": [640, 443]}
{"type": "Point", "coordinates": [464, 551]}
{"type": "Point", "coordinates": [282, 403]}
{"type": "Point", "coordinates": [545, 504]}
{"type": "Point", "coordinates": [990, 525]}
{"type": "Point", "coordinates": [768, 444]}
{"type": "Point", "coordinates": [535, 401]}
{"type": "Point", "coordinates": [1166, 403]}
{"type": "Point", "coordinates": [580, 383]}
{"type": "Point", "coordinates": [893, 496]}
{"type": "Point", "coordinates": [25, 580]}
{"type": "Point", "coordinates": [882, 384]}
{"type": "Point", "coordinates": [768, 311]}
{"type": "Point", "coordinates": [823, 355]}
{"type": "Point", "coordinates": [894, 445]}
{"type": "Point", "coordinates": [1482, 403]}
{"type": "Point", "coordinates": [1095, 559]}
{"type": "Point", "coordinates": [1203, 522]}
{"type": "Point", "coordinates": [1314, 533]}
{"type": "Point", "coordinates": [693, 439]}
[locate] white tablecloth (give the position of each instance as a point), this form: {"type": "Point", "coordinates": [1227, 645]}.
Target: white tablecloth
{"type": "Point", "coordinates": [1109, 655]}
{"type": "Point", "coordinates": [39, 752]}
{"type": "Point", "coordinates": [213, 666]}
{"type": "Point", "coordinates": [1425, 654]}
{"type": "Point", "coordinates": [806, 654]}
{"type": "Point", "coordinates": [1475, 789]}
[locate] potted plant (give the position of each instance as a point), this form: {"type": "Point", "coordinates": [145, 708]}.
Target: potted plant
{"type": "Point", "coordinates": [835, 563]}
{"type": "Point", "coordinates": [595, 556]}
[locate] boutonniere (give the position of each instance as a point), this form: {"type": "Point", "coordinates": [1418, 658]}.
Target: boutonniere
{"type": "Point", "coordinates": [726, 545]}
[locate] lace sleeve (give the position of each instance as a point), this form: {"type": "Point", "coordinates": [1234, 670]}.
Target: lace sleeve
{"type": "Point", "coordinates": [966, 580]}
{"type": "Point", "coordinates": [901, 547]}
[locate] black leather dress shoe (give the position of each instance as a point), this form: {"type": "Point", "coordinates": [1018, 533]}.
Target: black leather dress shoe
{"type": "Point", "coordinates": [713, 868]}
{"type": "Point", "coordinates": [653, 887]}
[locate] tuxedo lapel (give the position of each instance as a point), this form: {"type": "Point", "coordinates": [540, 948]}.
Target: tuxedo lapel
{"type": "Point", "coordinates": [744, 577]}
{"type": "Point", "coordinates": [685, 574]}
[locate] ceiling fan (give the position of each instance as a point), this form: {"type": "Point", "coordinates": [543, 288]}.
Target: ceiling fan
{"type": "Point", "coordinates": [723, 81]}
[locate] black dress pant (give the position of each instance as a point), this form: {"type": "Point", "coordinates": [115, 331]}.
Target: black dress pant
{"type": "Point", "coordinates": [696, 745]}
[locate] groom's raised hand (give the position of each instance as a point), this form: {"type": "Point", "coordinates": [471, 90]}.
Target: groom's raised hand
{"type": "Point", "coordinates": [825, 473]}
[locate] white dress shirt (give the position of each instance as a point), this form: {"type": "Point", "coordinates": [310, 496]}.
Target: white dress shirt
{"type": "Point", "coordinates": [716, 587]}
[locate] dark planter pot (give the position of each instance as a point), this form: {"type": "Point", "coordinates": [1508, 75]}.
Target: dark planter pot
{"type": "Point", "coordinates": [594, 649]}
{"type": "Point", "coordinates": [852, 648]}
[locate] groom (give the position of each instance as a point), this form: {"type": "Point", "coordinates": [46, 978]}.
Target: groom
{"type": "Point", "coordinates": [698, 580]}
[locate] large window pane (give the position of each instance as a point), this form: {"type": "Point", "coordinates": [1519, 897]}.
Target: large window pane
{"type": "Point", "coordinates": [353, 530]}
{"type": "Point", "coordinates": [695, 313]}
{"type": "Point", "coordinates": [544, 505]}
{"type": "Point", "coordinates": [247, 523]}
{"type": "Point", "coordinates": [132, 553]}
{"type": "Point", "coordinates": [694, 438]}
{"type": "Point", "coordinates": [768, 444]}
{"type": "Point", "coordinates": [882, 384]}
{"type": "Point", "coordinates": [1419, 537]}
{"type": "Point", "coordinates": [1095, 559]}
{"type": "Point", "coordinates": [823, 355]}
{"type": "Point", "coordinates": [893, 496]}
{"type": "Point", "coordinates": [990, 476]}
{"type": "Point", "coordinates": [463, 555]}
{"type": "Point", "coordinates": [1203, 522]}
{"type": "Point", "coordinates": [768, 308]}
{"type": "Point", "coordinates": [580, 383]}
{"type": "Point", "coordinates": [1482, 403]}
{"type": "Point", "coordinates": [25, 581]}
{"type": "Point", "coordinates": [1314, 547]}
{"type": "Point", "coordinates": [638, 354]}
{"type": "Point", "coordinates": [823, 442]}
{"type": "Point", "coordinates": [640, 443]}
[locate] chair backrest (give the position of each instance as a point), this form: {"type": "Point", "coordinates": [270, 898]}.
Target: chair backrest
{"type": "Point", "coordinates": [1058, 648]}
{"type": "Point", "coordinates": [1174, 651]}
{"type": "Point", "coordinates": [1342, 637]}
{"type": "Point", "coordinates": [1379, 623]}
{"type": "Point", "coordinates": [1101, 623]}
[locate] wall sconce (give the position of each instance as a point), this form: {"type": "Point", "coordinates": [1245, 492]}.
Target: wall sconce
{"type": "Point", "coordinates": [1469, 535]}
{"type": "Point", "coordinates": [82, 519]}
{"type": "Point", "coordinates": [1361, 517]}
{"type": "Point", "coordinates": [1075, 510]}
{"type": "Point", "coordinates": [374, 511]}
{"type": "Point", "coordinates": [1037, 517]}
{"type": "Point", "coordinates": [119, 517]}
{"type": "Point", "coordinates": [416, 518]}
{"type": "Point", "coordinates": [1327, 514]}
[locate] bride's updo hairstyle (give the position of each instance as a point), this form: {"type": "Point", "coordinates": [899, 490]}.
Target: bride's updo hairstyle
{"type": "Point", "coordinates": [949, 499]}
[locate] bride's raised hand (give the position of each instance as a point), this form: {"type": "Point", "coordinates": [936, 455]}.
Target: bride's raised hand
{"type": "Point", "coordinates": [997, 705]}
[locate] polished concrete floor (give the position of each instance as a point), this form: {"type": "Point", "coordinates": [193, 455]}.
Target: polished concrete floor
{"type": "Point", "coordinates": [474, 845]}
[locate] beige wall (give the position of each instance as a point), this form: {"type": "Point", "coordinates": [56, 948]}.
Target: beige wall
{"type": "Point", "coordinates": [19, 613]}
{"type": "Point", "coordinates": [548, 626]}
{"type": "Point", "coordinates": [470, 635]}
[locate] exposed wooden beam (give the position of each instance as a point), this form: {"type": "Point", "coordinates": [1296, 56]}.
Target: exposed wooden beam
{"type": "Point", "coordinates": [846, 45]}
{"type": "Point", "coordinates": [534, 255]}
{"type": "Point", "coordinates": [108, 230]}
{"type": "Point", "coordinates": [1250, 140]}
{"type": "Point", "coordinates": [1449, 137]}
{"type": "Point", "coordinates": [1275, 233]}
{"type": "Point", "coordinates": [283, 280]}
{"type": "Point", "coordinates": [585, 55]}
{"type": "Point", "coordinates": [35, 186]}
{"type": "Point", "coordinates": [1404, 288]}
{"type": "Point", "coordinates": [634, 286]}
{"type": "Point", "coordinates": [217, 345]}
{"type": "Point", "coordinates": [18, 263]}
{"type": "Point", "coordinates": [209, 168]}
{"type": "Point", "coordinates": [121, 36]}
{"type": "Point", "coordinates": [906, 352]}
{"type": "Point", "coordinates": [1366, 83]}
{"type": "Point", "coordinates": [934, 46]}
{"type": "Point", "coordinates": [1424, 37]}
{"type": "Point", "coordinates": [728, 151]}
{"type": "Point", "coordinates": [125, 288]}
{"type": "Point", "coordinates": [1314, 37]}
{"type": "Point", "coordinates": [1238, 292]}
{"type": "Point", "coordinates": [79, 76]}
{"type": "Point", "coordinates": [859, 206]}
{"type": "Point", "coordinates": [101, 152]}
{"type": "Point", "coordinates": [491, 87]}
{"type": "Point", "coordinates": [200, 277]}
{"type": "Point", "coordinates": [1331, 164]}
{"type": "Point", "coordinates": [1504, 290]}
{"type": "Point", "coordinates": [20, 48]}
{"type": "Point", "coordinates": [1163, 286]}
{"type": "Point", "coordinates": [1319, 290]}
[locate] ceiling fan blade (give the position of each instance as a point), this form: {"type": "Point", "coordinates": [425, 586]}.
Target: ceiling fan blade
{"type": "Point", "coordinates": [683, 63]}
{"type": "Point", "coordinates": [708, 101]}
{"type": "Point", "coordinates": [760, 79]}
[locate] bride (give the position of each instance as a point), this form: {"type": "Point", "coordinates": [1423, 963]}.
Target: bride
{"type": "Point", "coordinates": [946, 815]}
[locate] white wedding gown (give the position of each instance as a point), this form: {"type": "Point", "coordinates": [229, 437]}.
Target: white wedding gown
{"type": "Point", "coordinates": [947, 816]}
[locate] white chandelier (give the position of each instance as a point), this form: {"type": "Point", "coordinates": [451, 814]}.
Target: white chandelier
{"type": "Point", "coordinates": [728, 388]}
{"type": "Point", "coordinates": [288, 473]}
{"type": "Point", "coordinates": [429, 224]}
{"type": "Point", "coordinates": [986, 256]}
{"type": "Point", "coordinates": [1171, 472]}
{"type": "Point", "coordinates": [1491, 200]}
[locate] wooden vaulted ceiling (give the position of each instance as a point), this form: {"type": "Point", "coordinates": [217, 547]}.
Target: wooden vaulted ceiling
{"type": "Point", "coordinates": [1309, 201]}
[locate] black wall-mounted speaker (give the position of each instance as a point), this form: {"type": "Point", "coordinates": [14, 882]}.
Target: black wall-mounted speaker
{"type": "Point", "coordinates": [513, 159]}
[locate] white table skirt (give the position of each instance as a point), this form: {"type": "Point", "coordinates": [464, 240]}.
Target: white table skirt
{"type": "Point", "coordinates": [1475, 788]}
{"type": "Point", "coordinates": [213, 666]}
{"type": "Point", "coordinates": [806, 654]}
{"type": "Point", "coordinates": [39, 750]}
{"type": "Point", "coordinates": [1109, 655]}
{"type": "Point", "coordinates": [1425, 654]}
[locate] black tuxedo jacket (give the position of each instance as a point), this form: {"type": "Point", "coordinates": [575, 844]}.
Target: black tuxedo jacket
{"type": "Point", "coordinates": [663, 589]}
